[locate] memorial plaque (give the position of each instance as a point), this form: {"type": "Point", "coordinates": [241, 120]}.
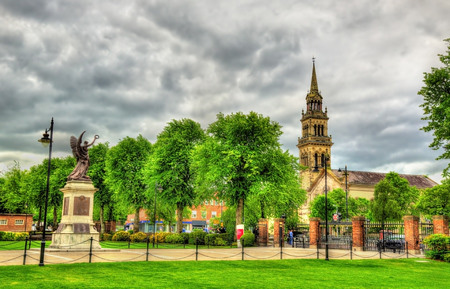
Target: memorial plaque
{"type": "Point", "coordinates": [81, 206]}
{"type": "Point", "coordinates": [66, 206]}
{"type": "Point", "coordinates": [80, 228]}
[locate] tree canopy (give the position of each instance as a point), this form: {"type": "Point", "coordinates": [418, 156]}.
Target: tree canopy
{"type": "Point", "coordinates": [170, 164]}
{"type": "Point", "coordinates": [436, 200]}
{"type": "Point", "coordinates": [242, 158]}
{"type": "Point", "coordinates": [436, 106]}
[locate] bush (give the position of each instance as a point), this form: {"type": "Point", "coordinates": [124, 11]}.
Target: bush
{"type": "Point", "coordinates": [1, 235]}
{"type": "Point", "coordinates": [447, 257]}
{"type": "Point", "coordinates": [210, 239]}
{"type": "Point", "coordinates": [174, 239]}
{"type": "Point", "coordinates": [121, 236]}
{"type": "Point", "coordinates": [106, 237]}
{"type": "Point", "coordinates": [439, 245]}
{"type": "Point", "coordinates": [21, 236]}
{"type": "Point", "coordinates": [249, 239]}
{"type": "Point", "coordinates": [226, 237]}
{"type": "Point", "coordinates": [198, 235]}
{"type": "Point", "coordinates": [9, 236]}
{"type": "Point", "coordinates": [185, 237]}
{"type": "Point", "coordinates": [220, 242]}
{"type": "Point", "coordinates": [138, 237]}
{"type": "Point", "coordinates": [161, 236]}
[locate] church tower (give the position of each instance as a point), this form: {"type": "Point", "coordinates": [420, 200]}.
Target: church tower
{"type": "Point", "coordinates": [315, 142]}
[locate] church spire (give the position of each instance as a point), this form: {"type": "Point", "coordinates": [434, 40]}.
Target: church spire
{"type": "Point", "coordinates": [314, 86]}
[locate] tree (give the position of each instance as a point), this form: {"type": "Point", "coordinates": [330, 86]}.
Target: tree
{"type": "Point", "coordinates": [13, 197]}
{"type": "Point", "coordinates": [436, 200]}
{"type": "Point", "coordinates": [97, 173]}
{"type": "Point", "coordinates": [317, 208]}
{"type": "Point", "coordinates": [241, 158]}
{"type": "Point", "coordinates": [436, 106]}
{"type": "Point", "coordinates": [393, 198]}
{"type": "Point", "coordinates": [124, 173]}
{"type": "Point", "coordinates": [35, 183]}
{"type": "Point", "coordinates": [170, 164]}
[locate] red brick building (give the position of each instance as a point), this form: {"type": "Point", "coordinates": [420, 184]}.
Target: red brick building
{"type": "Point", "coordinates": [16, 222]}
{"type": "Point", "coordinates": [200, 218]}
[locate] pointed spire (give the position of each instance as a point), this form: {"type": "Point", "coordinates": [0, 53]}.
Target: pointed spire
{"type": "Point", "coordinates": [314, 86]}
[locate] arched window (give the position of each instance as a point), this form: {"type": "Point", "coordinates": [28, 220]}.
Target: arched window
{"type": "Point", "coordinates": [315, 160]}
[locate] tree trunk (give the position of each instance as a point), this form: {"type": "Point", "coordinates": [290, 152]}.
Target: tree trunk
{"type": "Point", "coordinates": [239, 211]}
{"type": "Point", "coordinates": [102, 220]}
{"type": "Point", "coordinates": [136, 221]}
{"type": "Point", "coordinates": [179, 217]}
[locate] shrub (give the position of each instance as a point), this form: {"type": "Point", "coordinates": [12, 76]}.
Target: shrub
{"type": "Point", "coordinates": [21, 236]}
{"type": "Point", "coordinates": [439, 245]}
{"type": "Point", "coordinates": [1, 235]}
{"type": "Point", "coordinates": [121, 236]}
{"type": "Point", "coordinates": [210, 239]}
{"type": "Point", "coordinates": [226, 237]}
{"type": "Point", "coordinates": [197, 235]}
{"type": "Point", "coordinates": [249, 239]}
{"type": "Point", "coordinates": [220, 242]}
{"type": "Point", "coordinates": [9, 236]}
{"type": "Point", "coordinates": [138, 237]}
{"type": "Point", "coordinates": [185, 237]}
{"type": "Point", "coordinates": [447, 257]}
{"type": "Point", "coordinates": [106, 237]}
{"type": "Point", "coordinates": [161, 236]}
{"type": "Point", "coordinates": [174, 239]}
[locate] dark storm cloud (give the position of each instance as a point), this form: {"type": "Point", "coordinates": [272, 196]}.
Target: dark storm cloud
{"type": "Point", "coordinates": [121, 69]}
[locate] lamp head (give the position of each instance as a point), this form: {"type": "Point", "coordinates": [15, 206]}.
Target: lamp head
{"type": "Point", "coordinates": [45, 140]}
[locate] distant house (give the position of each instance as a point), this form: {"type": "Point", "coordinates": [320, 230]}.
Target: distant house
{"type": "Point", "coordinates": [199, 219]}
{"type": "Point", "coordinates": [16, 222]}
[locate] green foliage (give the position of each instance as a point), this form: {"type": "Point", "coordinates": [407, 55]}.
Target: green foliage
{"type": "Point", "coordinates": [210, 239]}
{"type": "Point", "coordinates": [436, 106]}
{"type": "Point", "coordinates": [138, 237]}
{"type": "Point", "coordinates": [439, 245]}
{"type": "Point", "coordinates": [170, 164]}
{"type": "Point", "coordinates": [197, 235]}
{"type": "Point", "coordinates": [21, 236]}
{"type": "Point", "coordinates": [220, 242]}
{"type": "Point", "coordinates": [106, 237]}
{"type": "Point", "coordinates": [436, 200]}
{"type": "Point", "coordinates": [124, 173]}
{"type": "Point", "coordinates": [241, 159]}
{"type": "Point", "coordinates": [249, 239]}
{"type": "Point", "coordinates": [121, 236]}
{"type": "Point", "coordinates": [13, 196]}
{"type": "Point", "coordinates": [13, 236]}
{"type": "Point", "coordinates": [317, 208]}
{"type": "Point", "coordinates": [175, 238]}
{"type": "Point", "coordinates": [161, 236]}
{"type": "Point", "coordinates": [393, 198]}
{"type": "Point", "coordinates": [2, 235]}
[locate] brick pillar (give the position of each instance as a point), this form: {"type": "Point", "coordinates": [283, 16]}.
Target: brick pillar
{"type": "Point", "coordinates": [440, 225]}
{"type": "Point", "coordinates": [277, 223]}
{"type": "Point", "coordinates": [358, 232]}
{"type": "Point", "coordinates": [314, 232]}
{"type": "Point", "coordinates": [262, 232]}
{"type": "Point", "coordinates": [412, 233]}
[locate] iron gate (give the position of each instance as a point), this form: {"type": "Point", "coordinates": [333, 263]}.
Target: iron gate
{"type": "Point", "coordinates": [339, 235]}
{"type": "Point", "coordinates": [389, 236]}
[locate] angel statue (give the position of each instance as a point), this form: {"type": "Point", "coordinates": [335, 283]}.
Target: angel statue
{"type": "Point", "coordinates": [80, 152]}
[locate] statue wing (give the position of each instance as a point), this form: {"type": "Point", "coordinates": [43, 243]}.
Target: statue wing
{"type": "Point", "coordinates": [73, 145]}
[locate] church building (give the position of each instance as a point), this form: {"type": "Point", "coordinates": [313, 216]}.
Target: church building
{"type": "Point", "coordinates": [315, 154]}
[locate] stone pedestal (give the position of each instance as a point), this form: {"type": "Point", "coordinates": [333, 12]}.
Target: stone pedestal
{"type": "Point", "coordinates": [77, 226]}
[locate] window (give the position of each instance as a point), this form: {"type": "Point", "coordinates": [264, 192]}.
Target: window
{"type": "Point", "coordinates": [18, 222]}
{"type": "Point", "coordinates": [213, 214]}
{"type": "Point", "coordinates": [3, 222]}
{"type": "Point", "coordinates": [194, 214]}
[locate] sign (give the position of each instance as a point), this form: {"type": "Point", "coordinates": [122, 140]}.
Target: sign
{"type": "Point", "coordinates": [239, 231]}
{"type": "Point", "coordinates": [335, 217]}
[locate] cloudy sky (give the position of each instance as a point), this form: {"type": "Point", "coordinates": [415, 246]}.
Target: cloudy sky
{"type": "Point", "coordinates": [124, 68]}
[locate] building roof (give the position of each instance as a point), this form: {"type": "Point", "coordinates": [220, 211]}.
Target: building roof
{"type": "Point", "coordinates": [372, 178]}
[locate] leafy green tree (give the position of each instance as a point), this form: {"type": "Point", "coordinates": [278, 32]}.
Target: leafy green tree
{"type": "Point", "coordinates": [170, 164]}
{"type": "Point", "coordinates": [13, 196]}
{"type": "Point", "coordinates": [359, 207]}
{"type": "Point", "coordinates": [436, 106]}
{"type": "Point", "coordinates": [393, 198]}
{"type": "Point", "coordinates": [241, 158]}
{"type": "Point", "coordinates": [124, 173]}
{"type": "Point", "coordinates": [97, 173]}
{"type": "Point", "coordinates": [2, 199]}
{"type": "Point", "coordinates": [436, 200]}
{"type": "Point", "coordinates": [35, 183]}
{"type": "Point", "coordinates": [317, 208]}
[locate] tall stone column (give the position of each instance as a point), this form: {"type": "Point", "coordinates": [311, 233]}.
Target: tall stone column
{"type": "Point", "coordinates": [76, 226]}
{"type": "Point", "coordinates": [440, 225]}
{"type": "Point", "coordinates": [358, 232]}
{"type": "Point", "coordinates": [412, 233]}
{"type": "Point", "coordinates": [314, 232]}
{"type": "Point", "coordinates": [262, 232]}
{"type": "Point", "coordinates": [278, 230]}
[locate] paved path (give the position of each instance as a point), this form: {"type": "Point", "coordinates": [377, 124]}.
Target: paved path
{"type": "Point", "coordinates": [16, 257]}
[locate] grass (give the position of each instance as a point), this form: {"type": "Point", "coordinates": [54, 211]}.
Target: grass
{"type": "Point", "coordinates": [397, 273]}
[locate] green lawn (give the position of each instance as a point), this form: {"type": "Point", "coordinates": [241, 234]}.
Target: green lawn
{"type": "Point", "coordinates": [397, 273]}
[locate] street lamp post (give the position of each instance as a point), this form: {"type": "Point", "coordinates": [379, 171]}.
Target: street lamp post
{"type": "Point", "coordinates": [157, 188]}
{"type": "Point", "coordinates": [326, 211]}
{"type": "Point", "coordinates": [346, 189]}
{"type": "Point", "coordinates": [46, 140]}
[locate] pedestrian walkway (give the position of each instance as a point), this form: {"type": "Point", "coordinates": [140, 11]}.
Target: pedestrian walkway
{"type": "Point", "coordinates": [17, 257]}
